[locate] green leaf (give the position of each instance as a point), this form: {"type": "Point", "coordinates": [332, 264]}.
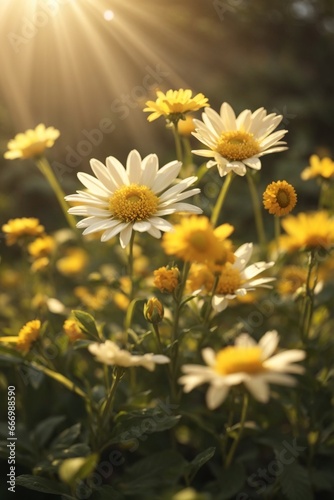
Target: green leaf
{"type": "Point", "coordinates": [198, 462]}
{"type": "Point", "coordinates": [156, 471]}
{"type": "Point", "coordinates": [44, 430]}
{"type": "Point", "coordinates": [295, 482]}
{"type": "Point", "coordinates": [138, 423]}
{"type": "Point", "coordinates": [87, 322]}
{"type": "Point", "coordinates": [41, 484]}
{"type": "Point", "coordinates": [67, 437]}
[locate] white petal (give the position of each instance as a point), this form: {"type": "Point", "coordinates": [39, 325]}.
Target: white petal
{"type": "Point", "coordinates": [166, 175]}
{"type": "Point", "coordinates": [244, 340]}
{"type": "Point", "coordinates": [160, 223]}
{"type": "Point", "coordinates": [125, 235]}
{"type": "Point", "coordinates": [255, 269]}
{"type": "Point", "coordinates": [209, 356]}
{"type": "Point", "coordinates": [269, 343]}
{"type": "Point", "coordinates": [280, 378]}
{"type": "Point", "coordinates": [243, 254]}
{"type": "Point", "coordinates": [282, 360]}
{"type": "Point", "coordinates": [117, 171]}
{"type": "Point", "coordinates": [215, 396]}
{"type": "Point", "coordinates": [153, 231]}
{"type": "Point", "coordinates": [228, 117]}
{"type": "Point", "coordinates": [150, 165]}
{"type": "Point", "coordinates": [258, 387]}
{"type": "Point", "coordinates": [142, 226]}
{"type": "Point", "coordinates": [214, 119]}
{"type": "Point", "coordinates": [101, 225]}
{"type": "Point", "coordinates": [133, 167]}
{"type": "Point", "coordinates": [102, 174]}
{"type": "Point", "coordinates": [174, 190]}
{"type": "Point", "coordinates": [253, 162]}
{"type": "Point", "coordinates": [244, 120]}
{"type": "Point", "coordinates": [207, 153]}
{"type": "Point", "coordinates": [109, 233]}
{"type": "Point", "coordinates": [186, 207]}
{"type": "Point", "coordinates": [219, 303]}
{"type": "Point", "coordinates": [93, 184]}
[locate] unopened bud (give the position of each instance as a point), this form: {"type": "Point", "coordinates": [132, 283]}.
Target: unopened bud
{"type": "Point", "coordinates": [154, 310]}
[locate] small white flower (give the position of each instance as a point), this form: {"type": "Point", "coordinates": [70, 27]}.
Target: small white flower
{"type": "Point", "coordinates": [237, 279]}
{"type": "Point", "coordinates": [246, 362]}
{"type": "Point", "coordinates": [119, 200]}
{"type": "Point", "coordinates": [238, 142]}
{"type": "Point", "coordinates": [110, 354]}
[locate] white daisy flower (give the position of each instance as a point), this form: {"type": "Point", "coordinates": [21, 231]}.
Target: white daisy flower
{"type": "Point", "coordinates": [234, 279]}
{"type": "Point", "coordinates": [238, 142]}
{"type": "Point", "coordinates": [246, 362]}
{"type": "Point", "coordinates": [121, 200]}
{"type": "Point", "coordinates": [110, 354]}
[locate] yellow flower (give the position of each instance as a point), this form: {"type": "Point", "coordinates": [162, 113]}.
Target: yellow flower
{"type": "Point", "coordinates": [166, 279]}
{"type": "Point", "coordinates": [307, 230]}
{"type": "Point", "coordinates": [27, 336]}
{"type": "Point", "coordinates": [279, 198]}
{"type": "Point", "coordinates": [72, 330]}
{"type": "Point", "coordinates": [16, 229]}
{"type": "Point", "coordinates": [174, 104]}
{"type": "Point", "coordinates": [318, 168]}
{"type": "Point", "coordinates": [41, 247]}
{"type": "Point", "coordinates": [40, 264]}
{"type": "Point", "coordinates": [195, 240]}
{"type": "Point", "coordinates": [95, 301]}
{"type": "Point", "coordinates": [32, 143]}
{"type": "Point", "coordinates": [292, 278]}
{"type": "Point", "coordinates": [73, 262]}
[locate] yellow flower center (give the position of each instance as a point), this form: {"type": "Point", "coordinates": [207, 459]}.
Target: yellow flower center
{"type": "Point", "coordinates": [237, 145]}
{"type": "Point", "coordinates": [235, 359]}
{"type": "Point", "coordinates": [229, 281]}
{"type": "Point", "coordinates": [199, 241]}
{"type": "Point", "coordinates": [33, 149]}
{"type": "Point", "coordinates": [133, 203]}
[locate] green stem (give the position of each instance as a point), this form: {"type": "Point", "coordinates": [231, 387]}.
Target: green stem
{"type": "Point", "coordinates": [130, 266]}
{"type": "Point", "coordinates": [257, 211]}
{"type": "Point", "coordinates": [45, 168]}
{"type": "Point", "coordinates": [235, 444]}
{"type": "Point", "coordinates": [308, 304]}
{"type": "Point", "coordinates": [108, 405]}
{"type": "Point", "coordinates": [221, 198]}
{"type": "Point", "coordinates": [277, 229]}
{"type": "Point", "coordinates": [177, 139]}
{"type": "Point", "coordinates": [157, 336]}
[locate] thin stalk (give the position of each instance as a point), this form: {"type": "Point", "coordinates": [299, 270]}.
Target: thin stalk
{"type": "Point", "coordinates": [308, 304]}
{"type": "Point", "coordinates": [110, 398]}
{"type": "Point", "coordinates": [177, 140]}
{"type": "Point", "coordinates": [221, 198]}
{"type": "Point", "coordinates": [277, 232]}
{"type": "Point", "coordinates": [235, 444]}
{"type": "Point", "coordinates": [257, 211]}
{"type": "Point", "coordinates": [45, 168]}
{"type": "Point", "coordinates": [130, 266]}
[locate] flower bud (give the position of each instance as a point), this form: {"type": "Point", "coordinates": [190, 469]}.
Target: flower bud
{"type": "Point", "coordinates": [154, 310]}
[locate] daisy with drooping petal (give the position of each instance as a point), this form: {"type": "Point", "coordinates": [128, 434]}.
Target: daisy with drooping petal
{"type": "Point", "coordinates": [236, 143]}
{"type": "Point", "coordinates": [196, 240]}
{"type": "Point", "coordinates": [318, 168]}
{"type": "Point", "coordinates": [174, 104]}
{"type": "Point", "coordinates": [234, 280]}
{"type": "Point", "coordinates": [279, 198]}
{"type": "Point", "coordinates": [121, 200]}
{"type": "Point", "coordinates": [110, 354]}
{"type": "Point", "coordinates": [32, 143]}
{"type": "Point", "coordinates": [246, 362]}
{"type": "Point", "coordinates": [307, 231]}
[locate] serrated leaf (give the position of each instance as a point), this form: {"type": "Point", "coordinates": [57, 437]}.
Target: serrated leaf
{"type": "Point", "coordinates": [153, 472]}
{"type": "Point", "coordinates": [66, 438]}
{"type": "Point", "coordinates": [295, 482]}
{"type": "Point", "coordinates": [44, 430]}
{"type": "Point", "coordinates": [198, 462]}
{"type": "Point", "coordinates": [41, 484]}
{"type": "Point", "coordinates": [87, 322]}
